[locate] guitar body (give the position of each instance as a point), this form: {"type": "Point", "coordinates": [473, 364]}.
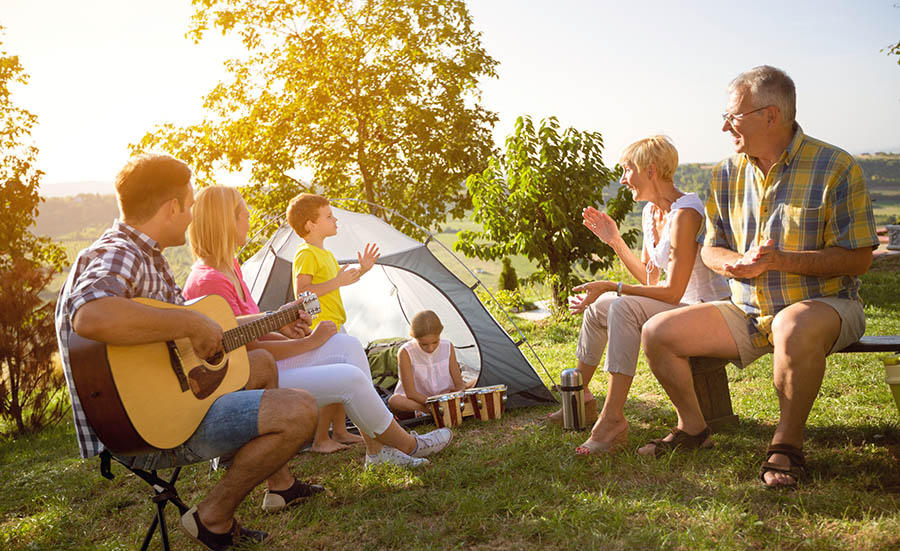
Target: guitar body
{"type": "Point", "coordinates": [149, 397]}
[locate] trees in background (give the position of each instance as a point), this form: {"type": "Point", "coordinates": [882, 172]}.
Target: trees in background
{"type": "Point", "coordinates": [28, 382]}
{"type": "Point", "coordinates": [379, 98]}
{"type": "Point", "coordinates": [529, 201]}
{"type": "Point", "coordinates": [509, 280]}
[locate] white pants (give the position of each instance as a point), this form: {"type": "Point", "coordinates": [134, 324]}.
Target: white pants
{"type": "Point", "coordinates": [338, 371]}
{"type": "Point", "coordinates": [617, 319]}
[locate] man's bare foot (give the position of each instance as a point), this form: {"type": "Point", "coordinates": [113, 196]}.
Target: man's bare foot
{"type": "Point", "coordinates": [776, 479]}
{"type": "Point", "coordinates": [347, 437]}
{"type": "Point", "coordinates": [327, 446]}
{"type": "Point", "coordinates": [784, 466]}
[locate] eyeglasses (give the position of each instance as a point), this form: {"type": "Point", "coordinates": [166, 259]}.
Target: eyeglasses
{"type": "Point", "coordinates": [731, 118]}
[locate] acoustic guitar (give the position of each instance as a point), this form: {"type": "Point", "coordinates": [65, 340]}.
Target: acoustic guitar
{"type": "Point", "coordinates": [150, 397]}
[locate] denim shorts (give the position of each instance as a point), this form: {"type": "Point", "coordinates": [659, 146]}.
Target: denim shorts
{"type": "Point", "coordinates": [231, 422]}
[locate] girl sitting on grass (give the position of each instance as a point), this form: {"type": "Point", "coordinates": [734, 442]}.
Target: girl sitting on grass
{"type": "Point", "coordinates": [427, 366]}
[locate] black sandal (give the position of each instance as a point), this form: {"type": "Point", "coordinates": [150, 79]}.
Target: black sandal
{"type": "Point", "coordinates": [276, 500]}
{"type": "Point", "coordinates": [795, 470]}
{"type": "Point", "coordinates": [236, 536]}
{"type": "Point", "coordinates": [681, 441]}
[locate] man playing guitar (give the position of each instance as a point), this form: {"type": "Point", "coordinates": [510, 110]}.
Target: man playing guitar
{"type": "Point", "coordinates": [262, 425]}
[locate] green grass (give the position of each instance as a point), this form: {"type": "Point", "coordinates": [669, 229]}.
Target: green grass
{"type": "Point", "coordinates": [514, 483]}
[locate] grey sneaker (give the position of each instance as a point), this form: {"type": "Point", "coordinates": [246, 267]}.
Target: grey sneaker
{"type": "Point", "coordinates": [395, 457]}
{"type": "Point", "coordinates": [432, 442]}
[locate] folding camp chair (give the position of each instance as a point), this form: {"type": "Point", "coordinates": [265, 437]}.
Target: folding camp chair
{"type": "Point", "coordinates": [163, 493]}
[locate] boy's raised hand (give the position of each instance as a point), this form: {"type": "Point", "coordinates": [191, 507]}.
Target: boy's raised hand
{"type": "Point", "coordinates": [368, 257]}
{"type": "Point", "coordinates": [347, 275]}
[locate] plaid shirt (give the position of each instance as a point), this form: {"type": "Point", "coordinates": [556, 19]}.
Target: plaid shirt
{"type": "Point", "coordinates": [814, 197]}
{"type": "Point", "coordinates": [123, 262]}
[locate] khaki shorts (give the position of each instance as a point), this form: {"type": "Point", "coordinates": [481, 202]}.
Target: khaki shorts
{"type": "Point", "coordinates": [853, 326]}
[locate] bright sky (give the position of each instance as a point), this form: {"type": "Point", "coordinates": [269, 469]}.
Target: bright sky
{"type": "Point", "coordinates": [103, 72]}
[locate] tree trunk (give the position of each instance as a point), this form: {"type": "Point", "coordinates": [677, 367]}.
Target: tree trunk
{"type": "Point", "coordinates": [363, 162]}
{"type": "Point", "coordinates": [555, 299]}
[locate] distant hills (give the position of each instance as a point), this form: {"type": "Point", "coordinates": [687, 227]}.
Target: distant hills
{"type": "Point", "coordinates": [71, 189]}
{"type": "Point", "coordinates": [81, 207]}
{"type": "Point", "coordinates": [882, 172]}
{"type": "Point", "coordinates": [83, 216]}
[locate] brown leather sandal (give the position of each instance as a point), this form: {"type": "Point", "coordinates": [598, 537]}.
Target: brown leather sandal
{"type": "Point", "coordinates": [681, 441]}
{"type": "Point", "coordinates": [795, 470]}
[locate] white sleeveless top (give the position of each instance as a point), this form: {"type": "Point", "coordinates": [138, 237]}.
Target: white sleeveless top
{"type": "Point", "coordinates": [431, 372]}
{"type": "Point", "coordinates": [705, 285]}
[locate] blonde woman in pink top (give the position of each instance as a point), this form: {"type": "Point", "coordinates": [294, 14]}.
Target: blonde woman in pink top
{"type": "Point", "coordinates": [331, 366]}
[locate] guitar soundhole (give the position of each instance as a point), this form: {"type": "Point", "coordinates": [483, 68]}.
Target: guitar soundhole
{"type": "Point", "coordinates": [205, 381]}
{"type": "Point", "coordinates": [216, 358]}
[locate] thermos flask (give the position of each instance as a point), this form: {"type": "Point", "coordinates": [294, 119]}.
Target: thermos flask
{"type": "Point", "coordinates": [571, 390]}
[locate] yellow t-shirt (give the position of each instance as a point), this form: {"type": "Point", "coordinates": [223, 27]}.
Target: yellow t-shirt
{"type": "Point", "coordinates": [322, 266]}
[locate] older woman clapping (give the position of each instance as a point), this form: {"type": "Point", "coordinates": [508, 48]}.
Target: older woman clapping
{"type": "Point", "coordinates": [614, 313]}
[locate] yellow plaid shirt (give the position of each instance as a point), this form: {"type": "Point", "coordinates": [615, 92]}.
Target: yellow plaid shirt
{"type": "Point", "coordinates": [814, 197]}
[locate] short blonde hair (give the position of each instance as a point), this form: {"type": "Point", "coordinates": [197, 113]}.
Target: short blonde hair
{"type": "Point", "coordinates": [654, 150]}
{"type": "Point", "coordinates": [425, 323]}
{"type": "Point", "coordinates": [304, 208]}
{"type": "Point", "coordinates": [213, 230]}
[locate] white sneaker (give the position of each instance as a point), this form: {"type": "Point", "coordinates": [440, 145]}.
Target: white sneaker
{"type": "Point", "coordinates": [432, 442]}
{"type": "Point", "coordinates": [395, 457]}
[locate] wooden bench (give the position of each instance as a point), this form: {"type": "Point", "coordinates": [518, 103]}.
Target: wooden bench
{"type": "Point", "coordinates": [711, 380]}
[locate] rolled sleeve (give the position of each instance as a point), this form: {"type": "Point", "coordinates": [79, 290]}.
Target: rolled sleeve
{"type": "Point", "coordinates": [108, 274]}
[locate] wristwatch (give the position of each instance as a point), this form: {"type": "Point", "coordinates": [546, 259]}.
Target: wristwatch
{"type": "Point", "coordinates": [619, 289]}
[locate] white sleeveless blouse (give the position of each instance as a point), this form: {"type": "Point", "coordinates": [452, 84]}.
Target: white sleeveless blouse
{"type": "Point", "coordinates": [431, 372]}
{"type": "Point", "coordinates": [705, 285]}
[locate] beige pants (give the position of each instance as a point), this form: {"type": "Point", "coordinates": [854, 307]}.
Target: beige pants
{"type": "Point", "coordinates": [617, 320]}
{"type": "Point", "coordinates": [853, 326]}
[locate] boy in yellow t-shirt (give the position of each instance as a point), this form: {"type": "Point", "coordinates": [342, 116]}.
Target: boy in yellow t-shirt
{"type": "Point", "coordinates": [316, 270]}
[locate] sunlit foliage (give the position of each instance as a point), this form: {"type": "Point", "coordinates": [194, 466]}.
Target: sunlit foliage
{"type": "Point", "coordinates": [530, 201]}
{"type": "Point", "coordinates": [378, 98]}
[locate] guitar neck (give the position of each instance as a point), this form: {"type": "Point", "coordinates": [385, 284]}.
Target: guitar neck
{"type": "Point", "coordinates": [243, 334]}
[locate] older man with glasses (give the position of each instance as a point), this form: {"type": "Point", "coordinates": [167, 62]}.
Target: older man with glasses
{"type": "Point", "coordinates": [790, 222]}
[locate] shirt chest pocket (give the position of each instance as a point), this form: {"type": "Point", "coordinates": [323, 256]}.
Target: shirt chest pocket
{"type": "Point", "coordinates": [797, 228]}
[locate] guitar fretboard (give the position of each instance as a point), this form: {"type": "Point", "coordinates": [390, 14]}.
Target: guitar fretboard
{"type": "Point", "coordinates": [242, 334]}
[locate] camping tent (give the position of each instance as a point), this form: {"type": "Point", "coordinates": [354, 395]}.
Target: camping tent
{"type": "Point", "coordinates": [407, 278]}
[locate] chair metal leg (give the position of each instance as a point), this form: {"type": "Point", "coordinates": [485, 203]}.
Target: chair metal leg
{"type": "Point", "coordinates": [164, 492]}
{"type": "Point", "coordinates": [152, 529]}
